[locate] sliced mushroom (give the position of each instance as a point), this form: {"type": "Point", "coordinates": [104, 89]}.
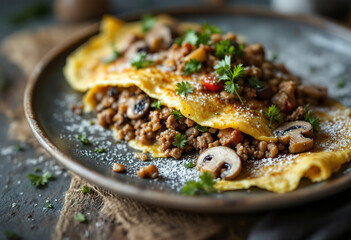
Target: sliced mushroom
{"type": "Point", "coordinates": [297, 134]}
{"type": "Point", "coordinates": [138, 106]}
{"type": "Point", "coordinates": [159, 37]}
{"type": "Point", "coordinates": [138, 46]}
{"type": "Point", "coordinates": [220, 161]}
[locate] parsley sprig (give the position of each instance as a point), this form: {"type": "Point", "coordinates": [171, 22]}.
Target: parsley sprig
{"type": "Point", "coordinates": [314, 121]}
{"type": "Point", "coordinates": [273, 114]}
{"type": "Point", "coordinates": [210, 29]}
{"type": "Point", "coordinates": [201, 128]}
{"type": "Point", "coordinates": [225, 47]}
{"type": "Point", "coordinates": [40, 180]}
{"type": "Point", "coordinates": [192, 66]}
{"type": "Point", "coordinates": [79, 217]}
{"type": "Point", "coordinates": [140, 61]}
{"type": "Point", "coordinates": [184, 88]}
{"type": "Point", "coordinates": [147, 22]}
{"type": "Point", "coordinates": [189, 165]}
{"type": "Point", "coordinates": [195, 38]}
{"type": "Point", "coordinates": [156, 104]}
{"type": "Point", "coordinates": [114, 55]}
{"type": "Point", "coordinates": [230, 76]}
{"type": "Point", "coordinates": [203, 186]}
{"type": "Point", "coordinates": [99, 150]}
{"type": "Point", "coordinates": [177, 115]}
{"type": "Point", "coordinates": [85, 189]}
{"type": "Point", "coordinates": [83, 139]}
{"type": "Point", "coordinates": [179, 140]}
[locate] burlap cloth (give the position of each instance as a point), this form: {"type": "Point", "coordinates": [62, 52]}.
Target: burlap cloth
{"type": "Point", "coordinates": [109, 216]}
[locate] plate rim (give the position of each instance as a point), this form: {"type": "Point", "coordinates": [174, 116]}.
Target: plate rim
{"type": "Point", "coordinates": [176, 200]}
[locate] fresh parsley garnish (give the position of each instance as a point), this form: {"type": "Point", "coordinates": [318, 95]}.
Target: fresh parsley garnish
{"type": "Point", "coordinates": [79, 217]}
{"type": "Point", "coordinates": [40, 180]}
{"type": "Point", "coordinates": [189, 165]}
{"type": "Point", "coordinates": [341, 83]}
{"type": "Point", "coordinates": [114, 55]}
{"type": "Point", "coordinates": [230, 76]}
{"type": "Point", "coordinates": [140, 61]}
{"type": "Point", "coordinates": [226, 48]}
{"type": "Point", "coordinates": [147, 22]}
{"type": "Point", "coordinates": [83, 139]}
{"type": "Point", "coordinates": [191, 36]}
{"type": "Point", "coordinates": [85, 189]}
{"type": "Point", "coordinates": [255, 82]}
{"type": "Point", "coordinates": [177, 115]}
{"type": "Point", "coordinates": [99, 150]}
{"type": "Point", "coordinates": [201, 128]}
{"type": "Point", "coordinates": [48, 205]}
{"type": "Point", "coordinates": [210, 29]}
{"type": "Point", "coordinates": [180, 140]}
{"type": "Point", "coordinates": [12, 235]}
{"type": "Point", "coordinates": [273, 114]}
{"type": "Point", "coordinates": [178, 41]}
{"type": "Point", "coordinates": [156, 104]}
{"type": "Point", "coordinates": [314, 121]}
{"type": "Point", "coordinates": [203, 186]}
{"type": "Point", "coordinates": [192, 66]}
{"type": "Point", "coordinates": [184, 88]}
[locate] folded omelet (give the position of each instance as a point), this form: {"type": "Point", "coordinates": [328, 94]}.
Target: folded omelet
{"type": "Point", "coordinates": [332, 143]}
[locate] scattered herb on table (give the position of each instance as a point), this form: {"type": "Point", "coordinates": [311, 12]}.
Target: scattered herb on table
{"type": "Point", "coordinates": [156, 104]}
{"type": "Point", "coordinates": [147, 22]}
{"type": "Point", "coordinates": [184, 88]}
{"type": "Point", "coordinates": [36, 170]}
{"type": "Point", "coordinates": [99, 150]}
{"type": "Point", "coordinates": [201, 128]}
{"type": "Point", "coordinates": [189, 165]}
{"type": "Point", "coordinates": [275, 57]}
{"type": "Point", "coordinates": [40, 180]}
{"type": "Point", "coordinates": [226, 48]}
{"type": "Point", "coordinates": [92, 122]}
{"type": "Point", "coordinates": [79, 217]}
{"type": "Point", "coordinates": [85, 189]}
{"type": "Point", "coordinates": [255, 82]}
{"type": "Point", "coordinates": [19, 148]}
{"type": "Point", "coordinates": [177, 115]}
{"type": "Point", "coordinates": [180, 140]}
{"type": "Point", "coordinates": [341, 83]}
{"type": "Point", "coordinates": [117, 141]}
{"type": "Point", "coordinates": [203, 186]}
{"type": "Point", "coordinates": [230, 76]}
{"type": "Point", "coordinates": [273, 114]}
{"type": "Point", "coordinates": [192, 66]}
{"type": "Point", "coordinates": [114, 55]}
{"type": "Point", "coordinates": [314, 121]}
{"type": "Point", "coordinates": [12, 235]}
{"type": "Point", "coordinates": [140, 61]}
{"type": "Point", "coordinates": [83, 139]}
{"type": "Point", "coordinates": [33, 11]}
{"type": "Point", "coordinates": [49, 205]}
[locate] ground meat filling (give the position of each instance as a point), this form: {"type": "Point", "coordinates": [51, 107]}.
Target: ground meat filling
{"type": "Point", "coordinates": [160, 126]}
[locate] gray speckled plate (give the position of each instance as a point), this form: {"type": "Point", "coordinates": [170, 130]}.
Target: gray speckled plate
{"type": "Point", "coordinates": [315, 49]}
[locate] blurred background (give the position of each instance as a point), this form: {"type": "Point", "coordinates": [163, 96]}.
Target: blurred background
{"type": "Point", "coordinates": [19, 14]}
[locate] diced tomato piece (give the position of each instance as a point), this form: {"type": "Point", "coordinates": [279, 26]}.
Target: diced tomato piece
{"type": "Point", "coordinates": [210, 82]}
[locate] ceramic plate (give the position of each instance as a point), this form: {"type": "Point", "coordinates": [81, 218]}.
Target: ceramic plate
{"type": "Point", "coordinates": [315, 49]}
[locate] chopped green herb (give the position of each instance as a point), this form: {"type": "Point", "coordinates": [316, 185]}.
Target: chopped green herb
{"type": "Point", "coordinates": [147, 22]}
{"type": "Point", "coordinates": [341, 83]}
{"type": "Point", "coordinates": [177, 115]}
{"type": "Point", "coordinates": [36, 170]}
{"type": "Point", "coordinates": [225, 48]}
{"type": "Point", "coordinates": [99, 150]}
{"type": "Point", "coordinates": [184, 88]}
{"type": "Point", "coordinates": [275, 57]}
{"type": "Point", "coordinates": [92, 122]}
{"type": "Point", "coordinates": [33, 11]}
{"type": "Point", "coordinates": [40, 181]}
{"type": "Point", "coordinates": [189, 165]}
{"type": "Point", "coordinates": [255, 82]}
{"type": "Point", "coordinates": [180, 140]}
{"type": "Point", "coordinates": [178, 41]}
{"type": "Point", "coordinates": [114, 55]}
{"type": "Point", "coordinates": [48, 205]}
{"type": "Point", "coordinates": [314, 121]}
{"type": "Point", "coordinates": [192, 66]}
{"type": "Point", "coordinates": [210, 29]}
{"type": "Point", "coordinates": [12, 235]}
{"type": "Point", "coordinates": [19, 148]}
{"type": "Point", "coordinates": [156, 104]}
{"type": "Point", "coordinates": [140, 61]}
{"type": "Point", "coordinates": [192, 37]}
{"type": "Point", "coordinates": [79, 217]}
{"type": "Point", "coordinates": [85, 189]}
{"type": "Point", "coordinates": [201, 128]}
{"type": "Point", "coordinates": [83, 139]}
{"type": "Point", "coordinates": [273, 114]}
{"type": "Point", "coordinates": [225, 73]}
{"type": "Point", "coordinates": [117, 141]}
{"type": "Point", "coordinates": [203, 186]}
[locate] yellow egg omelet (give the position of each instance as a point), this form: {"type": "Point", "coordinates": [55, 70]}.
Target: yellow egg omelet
{"type": "Point", "coordinates": [85, 72]}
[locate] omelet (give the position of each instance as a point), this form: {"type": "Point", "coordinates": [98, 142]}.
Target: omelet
{"type": "Point", "coordinates": [85, 72]}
